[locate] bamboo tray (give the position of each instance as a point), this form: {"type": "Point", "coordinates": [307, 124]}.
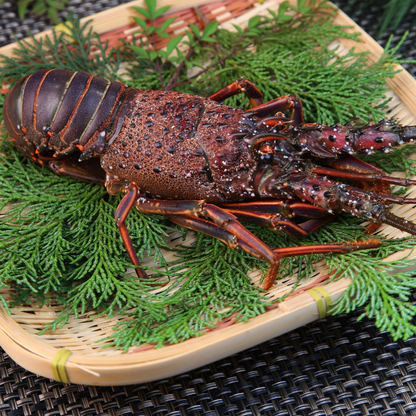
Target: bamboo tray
{"type": "Point", "coordinates": [93, 365]}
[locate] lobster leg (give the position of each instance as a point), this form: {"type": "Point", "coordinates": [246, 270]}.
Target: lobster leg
{"type": "Point", "coordinates": [227, 229]}
{"type": "Point", "coordinates": [75, 170]}
{"type": "Point", "coordinates": [120, 216]}
{"type": "Point", "coordinates": [286, 208]}
{"type": "Point", "coordinates": [278, 223]}
{"type": "Point", "coordinates": [131, 191]}
{"type": "Point", "coordinates": [238, 87]}
{"type": "Point", "coordinates": [205, 227]}
{"type": "Point", "coordinates": [214, 230]}
{"type": "Point", "coordinates": [286, 102]}
{"type": "Point", "coordinates": [371, 177]}
{"type": "Point", "coordinates": [175, 211]}
{"type": "Point", "coordinates": [327, 248]}
{"type": "Point", "coordinates": [88, 172]}
{"type": "Point", "coordinates": [352, 164]}
{"type": "Point", "coordinates": [334, 197]}
{"type": "Point", "coordinates": [275, 214]}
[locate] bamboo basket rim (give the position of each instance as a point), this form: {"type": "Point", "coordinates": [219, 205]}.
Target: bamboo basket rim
{"type": "Point", "coordinates": [144, 364]}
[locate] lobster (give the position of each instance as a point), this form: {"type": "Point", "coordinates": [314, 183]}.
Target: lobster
{"type": "Point", "coordinates": [187, 157]}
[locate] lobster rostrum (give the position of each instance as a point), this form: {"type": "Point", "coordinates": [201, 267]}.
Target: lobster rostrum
{"type": "Point", "coordinates": [187, 157]}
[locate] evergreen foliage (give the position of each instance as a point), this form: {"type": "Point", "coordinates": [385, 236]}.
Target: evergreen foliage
{"type": "Point", "coordinates": [59, 234]}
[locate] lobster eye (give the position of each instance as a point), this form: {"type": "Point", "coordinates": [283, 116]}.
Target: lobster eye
{"type": "Point", "coordinates": [266, 154]}
{"type": "Point", "coordinates": [266, 158]}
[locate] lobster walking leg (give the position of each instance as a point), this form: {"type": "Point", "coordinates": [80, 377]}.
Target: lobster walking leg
{"type": "Point", "coordinates": [214, 230]}
{"type": "Point", "coordinates": [120, 216]}
{"type": "Point", "coordinates": [352, 164]}
{"type": "Point", "coordinates": [327, 248]}
{"type": "Point", "coordinates": [226, 221]}
{"type": "Point", "coordinates": [371, 177]}
{"type": "Point", "coordinates": [205, 227]}
{"type": "Point", "coordinates": [87, 172]}
{"type": "Point", "coordinates": [277, 222]}
{"type": "Point", "coordinates": [227, 229]}
{"type": "Point", "coordinates": [115, 186]}
{"type": "Point", "coordinates": [286, 102]}
{"type": "Point", "coordinates": [335, 197]}
{"type": "Point", "coordinates": [276, 214]}
{"type": "Point", "coordinates": [238, 87]}
{"type": "Point", "coordinates": [286, 208]}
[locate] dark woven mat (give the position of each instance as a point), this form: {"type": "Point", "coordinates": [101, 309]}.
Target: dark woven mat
{"type": "Point", "coordinates": [336, 366]}
{"type": "Point", "coordinates": [369, 16]}
{"type": "Point", "coordinates": [12, 27]}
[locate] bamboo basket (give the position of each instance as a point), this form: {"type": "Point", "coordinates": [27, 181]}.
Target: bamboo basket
{"type": "Point", "coordinates": [93, 365]}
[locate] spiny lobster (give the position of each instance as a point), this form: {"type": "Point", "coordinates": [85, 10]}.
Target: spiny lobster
{"type": "Point", "coordinates": [185, 156]}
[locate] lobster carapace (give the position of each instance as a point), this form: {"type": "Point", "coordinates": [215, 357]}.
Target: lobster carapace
{"type": "Point", "coordinates": [186, 157]}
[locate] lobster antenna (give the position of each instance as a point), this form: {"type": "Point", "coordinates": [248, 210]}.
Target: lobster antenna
{"type": "Point", "coordinates": [397, 222]}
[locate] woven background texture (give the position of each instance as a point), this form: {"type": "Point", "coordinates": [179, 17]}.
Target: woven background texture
{"type": "Point", "coordinates": [336, 366]}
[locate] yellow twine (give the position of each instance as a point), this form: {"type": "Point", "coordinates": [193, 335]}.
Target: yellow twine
{"type": "Point", "coordinates": [322, 298]}
{"type": "Point", "coordinates": [58, 365]}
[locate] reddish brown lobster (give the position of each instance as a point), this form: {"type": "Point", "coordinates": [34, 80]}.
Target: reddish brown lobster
{"type": "Point", "coordinates": [184, 156]}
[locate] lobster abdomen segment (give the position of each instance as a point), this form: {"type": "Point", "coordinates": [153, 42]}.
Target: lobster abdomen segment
{"type": "Point", "coordinates": [57, 110]}
{"type": "Point", "coordinates": [42, 101]}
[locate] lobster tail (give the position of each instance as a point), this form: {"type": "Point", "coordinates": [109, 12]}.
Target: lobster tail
{"type": "Point", "coordinates": [58, 111]}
